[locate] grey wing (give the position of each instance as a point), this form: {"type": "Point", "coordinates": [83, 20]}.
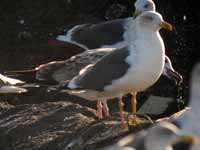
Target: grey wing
{"type": "Point", "coordinates": [73, 65]}
{"type": "Point", "coordinates": [98, 35]}
{"type": "Point", "coordinates": [109, 68]}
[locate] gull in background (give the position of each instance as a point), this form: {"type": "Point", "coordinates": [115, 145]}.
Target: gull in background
{"type": "Point", "coordinates": [113, 34]}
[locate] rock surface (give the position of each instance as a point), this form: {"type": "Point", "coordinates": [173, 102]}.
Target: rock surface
{"type": "Point", "coordinates": [58, 125]}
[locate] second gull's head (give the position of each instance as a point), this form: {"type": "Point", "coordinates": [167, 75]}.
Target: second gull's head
{"type": "Point", "coordinates": [143, 5]}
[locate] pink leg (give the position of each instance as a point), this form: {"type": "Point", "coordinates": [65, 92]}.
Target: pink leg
{"type": "Point", "coordinates": [99, 110]}
{"type": "Point", "coordinates": [106, 109]}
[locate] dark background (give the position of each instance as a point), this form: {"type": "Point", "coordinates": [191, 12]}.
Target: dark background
{"type": "Point", "coordinates": [26, 27]}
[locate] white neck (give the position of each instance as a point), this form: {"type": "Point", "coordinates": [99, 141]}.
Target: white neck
{"type": "Point", "coordinates": [147, 46]}
{"type": "Point", "coordinates": [150, 46]}
{"type": "Point", "coordinates": [136, 30]}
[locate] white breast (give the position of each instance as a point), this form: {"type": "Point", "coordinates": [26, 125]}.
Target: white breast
{"type": "Point", "coordinates": [146, 64]}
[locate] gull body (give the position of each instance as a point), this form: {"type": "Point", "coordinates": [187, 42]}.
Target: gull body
{"type": "Point", "coordinates": [128, 69]}
{"type": "Point", "coordinates": [110, 34]}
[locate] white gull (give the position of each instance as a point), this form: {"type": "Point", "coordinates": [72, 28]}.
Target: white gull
{"type": "Point", "coordinates": [126, 70]}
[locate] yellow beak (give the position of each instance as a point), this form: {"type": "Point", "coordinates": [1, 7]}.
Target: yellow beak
{"type": "Point", "coordinates": [166, 26]}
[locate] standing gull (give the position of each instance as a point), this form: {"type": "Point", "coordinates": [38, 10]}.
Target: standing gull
{"type": "Point", "coordinates": [114, 33]}
{"type": "Point", "coordinates": [126, 70]}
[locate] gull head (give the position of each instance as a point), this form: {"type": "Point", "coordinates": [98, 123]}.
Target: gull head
{"type": "Point", "coordinates": [169, 71]}
{"type": "Point", "coordinates": [152, 21]}
{"type": "Point", "coordinates": [164, 135]}
{"type": "Point", "coordinates": [186, 142]}
{"type": "Point", "coordinates": [142, 6]}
